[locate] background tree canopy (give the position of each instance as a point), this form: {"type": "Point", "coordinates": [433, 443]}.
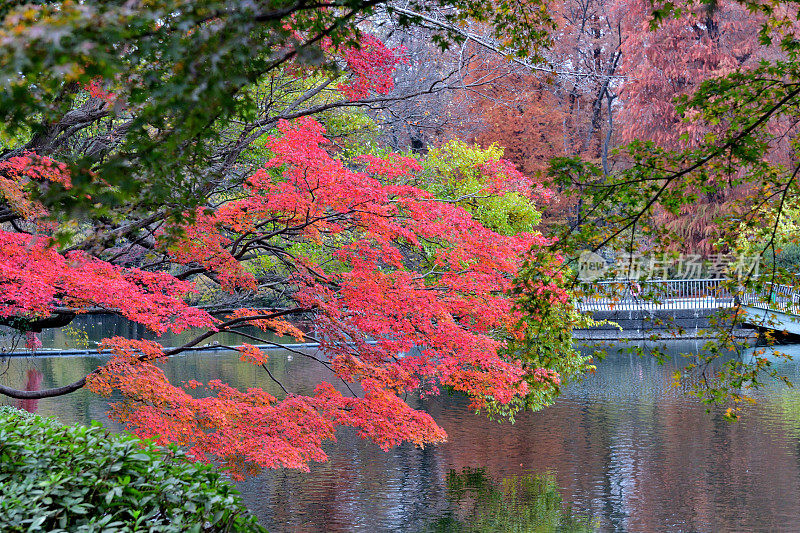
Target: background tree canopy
{"type": "Point", "coordinates": [180, 88]}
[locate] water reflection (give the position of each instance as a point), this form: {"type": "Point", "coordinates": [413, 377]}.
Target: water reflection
{"type": "Point", "coordinates": [624, 447]}
{"type": "Point", "coordinates": [529, 502]}
{"type": "Point", "coordinates": [33, 383]}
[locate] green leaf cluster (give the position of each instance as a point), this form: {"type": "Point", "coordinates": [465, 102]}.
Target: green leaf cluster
{"type": "Point", "coordinates": [453, 173]}
{"type": "Point", "coordinates": [76, 478]}
{"type": "Point", "coordinates": [546, 340]}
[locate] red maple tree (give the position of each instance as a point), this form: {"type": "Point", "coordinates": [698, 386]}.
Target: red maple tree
{"type": "Point", "coordinates": [407, 294]}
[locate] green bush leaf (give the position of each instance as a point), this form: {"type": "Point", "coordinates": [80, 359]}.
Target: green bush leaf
{"type": "Point", "coordinates": [67, 478]}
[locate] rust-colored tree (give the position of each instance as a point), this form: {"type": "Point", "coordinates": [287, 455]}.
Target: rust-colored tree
{"type": "Point", "coordinates": [564, 106]}
{"type": "Point", "coordinates": [710, 41]}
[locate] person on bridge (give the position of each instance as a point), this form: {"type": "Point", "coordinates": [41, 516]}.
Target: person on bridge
{"type": "Point", "coordinates": [635, 289]}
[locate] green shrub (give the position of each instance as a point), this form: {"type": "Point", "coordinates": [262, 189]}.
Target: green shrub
{"type": "Point", "coordinates": [75, 478]}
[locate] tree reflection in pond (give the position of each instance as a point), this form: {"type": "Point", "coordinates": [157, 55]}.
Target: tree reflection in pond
{"type": "Point", "coordinates": [520, 503]}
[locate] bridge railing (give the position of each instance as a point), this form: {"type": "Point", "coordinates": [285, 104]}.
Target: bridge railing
{"type": "Point", "coordinates": [775, 297]}
{"type": "Point", "coordinates": [630, 295]}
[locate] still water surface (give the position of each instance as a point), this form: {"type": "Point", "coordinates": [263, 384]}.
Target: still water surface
{"type": "Point", "coordinates": [622, 451]}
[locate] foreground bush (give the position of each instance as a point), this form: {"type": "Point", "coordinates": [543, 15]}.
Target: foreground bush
{"type": "Point", "coordinates": [74, 478]}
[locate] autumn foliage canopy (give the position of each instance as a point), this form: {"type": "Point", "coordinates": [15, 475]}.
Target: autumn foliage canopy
{"type": "Point", "coordinates": [410, 297]}
{"type": "Point", "coordinates": [190, 175]}
{"type": "Point", "coordinates": [406, 293]}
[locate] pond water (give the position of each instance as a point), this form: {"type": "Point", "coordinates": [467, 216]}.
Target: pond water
{"type": "Point", "coordinates": [621, 451]}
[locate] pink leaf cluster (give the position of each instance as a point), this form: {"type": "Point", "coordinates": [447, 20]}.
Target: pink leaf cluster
{"type": "Point", "coordinates": [202, 244]}
{"type": "Point", "coordinates": [449, 314]}
{"type": "Point", "coordinates": [16, 173]}
{"type": "Point", "coordinates": [280, 327]}
{"type": "Point", "coordinates": [96, 90]}
{"type": "Point", "coordinates": [372, 65]}
{"type": "Point", "coordinates": [410, 297]}
{"type": "Point", "coordinates": [35, 279]}
{"type": "Point", "coordinates": [249, 429]}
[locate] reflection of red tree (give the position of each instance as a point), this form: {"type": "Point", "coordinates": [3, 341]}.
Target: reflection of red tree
{"type": "Point", "coordinates": [34, 383]}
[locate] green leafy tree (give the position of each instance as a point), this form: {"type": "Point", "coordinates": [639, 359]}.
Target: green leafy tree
{"type": "Point", "coordinates": [485, 184]}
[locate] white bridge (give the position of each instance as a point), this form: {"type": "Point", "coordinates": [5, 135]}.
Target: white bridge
{"type": "Point", "coordinates": [775, 307]}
